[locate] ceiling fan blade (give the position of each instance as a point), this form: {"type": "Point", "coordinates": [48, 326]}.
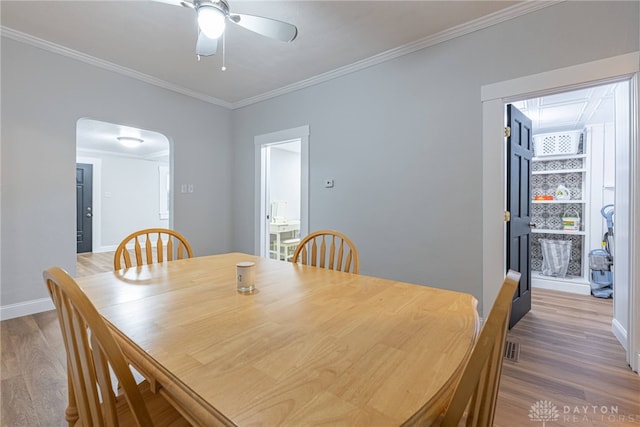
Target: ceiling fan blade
{"type": "Point", "coordinates": [266, 26]}
{"type": "Point", "coordinates": [171, 2]}
{"type": "Point", "coordinates": [206, 46]}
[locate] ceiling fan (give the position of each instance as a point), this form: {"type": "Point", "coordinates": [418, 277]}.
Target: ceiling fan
{"type": "Point", "coordinates": [213, 16]}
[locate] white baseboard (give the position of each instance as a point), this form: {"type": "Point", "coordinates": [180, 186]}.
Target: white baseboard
{"type": "Point", "coordinates": [620, 333]}
{"type": "Point", "coordinates": [573, 287]}
{"type": "Point", "coordinates": [25, 308]}
{"type": "Point", "coordinates": [100, 249]}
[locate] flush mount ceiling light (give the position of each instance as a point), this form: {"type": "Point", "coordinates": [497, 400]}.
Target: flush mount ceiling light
{"type": "Point", "coordinates": [129, 141]}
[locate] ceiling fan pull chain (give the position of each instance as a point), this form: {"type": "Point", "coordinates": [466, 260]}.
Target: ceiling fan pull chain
{"type": "Point", "coordinates": [224, 45]}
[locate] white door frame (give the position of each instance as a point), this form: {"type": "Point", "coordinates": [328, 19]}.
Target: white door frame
{"type": "Point", "coordinates": [493, 97]}
{"type": "Point", "coordinates": [260, 141]}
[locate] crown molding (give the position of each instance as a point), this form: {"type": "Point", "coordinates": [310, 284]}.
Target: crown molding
{"type": "Point", "coordinates": [106, 65]}
{"type": "Point", "coordinates": [152, 157]}
{"type": "Point", "coordinates": [443, 36]}
{"type": "Point", "coordinates": [458, 31]}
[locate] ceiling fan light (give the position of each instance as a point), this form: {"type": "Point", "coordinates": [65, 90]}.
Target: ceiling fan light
{"type": "Point", "coordinates": [211, 21]}
{"type": "Point", "coordinates": [129, 141]}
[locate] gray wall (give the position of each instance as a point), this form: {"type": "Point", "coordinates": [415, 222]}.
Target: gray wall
{"type": "Point", "coordinates": [43, 96]}
{"type": "Point", "coordinates": [403, 140]}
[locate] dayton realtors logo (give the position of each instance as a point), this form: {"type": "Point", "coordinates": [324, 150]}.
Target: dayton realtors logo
{"type": "Point", "coordinates": [546, 411]}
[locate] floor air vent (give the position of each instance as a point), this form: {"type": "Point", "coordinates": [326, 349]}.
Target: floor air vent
{"type": "Point", "coordinates": [512, 351]}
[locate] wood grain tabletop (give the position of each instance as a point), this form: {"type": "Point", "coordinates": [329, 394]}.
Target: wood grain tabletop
{"type": "Point", "coordinates": [309, 346]}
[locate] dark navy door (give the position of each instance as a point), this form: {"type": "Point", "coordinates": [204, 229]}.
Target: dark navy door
{"type": "Point", "coordinates": [519, 155]}
{"type": "Point", "coordinates": [84, 207]}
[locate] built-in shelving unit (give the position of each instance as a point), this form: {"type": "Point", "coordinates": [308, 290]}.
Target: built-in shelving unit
{"type": "Point", "coordinates": [549, 172]}
{"type": "Point", "coordinates": [558, 171]}
{"type": "Point", "coordinates": [567, 232]}
{"type": "Point", "coordinates": [535, 202]}
{"type": "Point", "coordinates": [560, 157]}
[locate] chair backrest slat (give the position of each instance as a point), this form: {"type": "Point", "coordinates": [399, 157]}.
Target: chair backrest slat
{"type": "Point", "coordinates": [323, 252]}
{"type": "Point", "coordinates": [338, 265]}
{"type": "Point", "coordinates": [347, 265]}
{"type": "Point", "coordinates": [314, 253]}
{"type": "Point", "coordinates": [327, 254]}
{"type": "Point", "coordinates": [303, 255]}
{"type": "Point", "coordinates": [148, 249]}
{"type": "Point", "coordinates": [169, 245]}
{"type": "Point", "coordinates": [138, 251]}
{"type": "Point", "coordinates": [101, 364]}
{"type": "Point", "coordinates": [170, 249]}
{"type": "Point", "coordinates": [332, 255]}
{"type": "Point", "coordinates": [160, 249]}
{"type": "Point", "coordinates": [89, 359]}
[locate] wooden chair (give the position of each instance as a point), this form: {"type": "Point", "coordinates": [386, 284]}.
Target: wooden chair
{"type": "Point", "coordinates": [91, 350]}
{"type": "Point", "coordinates": [328, 249]}
{"type": "Point", "coordinates": [169, 244]}
{"type": "Point", "coordinates": [477, 391]}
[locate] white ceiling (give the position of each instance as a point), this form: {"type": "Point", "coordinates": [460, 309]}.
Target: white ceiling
{"type": "Point", "coordinates": [571, 110]}
{"type": "Point", "coordinates": [96, 137]}
{"type": "Point", "coordinates": [157, 40]}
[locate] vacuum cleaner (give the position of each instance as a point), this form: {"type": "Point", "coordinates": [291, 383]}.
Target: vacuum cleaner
{"type": "Point", "coordinates": [601, 260]}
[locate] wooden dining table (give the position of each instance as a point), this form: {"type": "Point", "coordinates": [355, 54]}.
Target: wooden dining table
{"type": "Point", "coordinates": [308, 346]}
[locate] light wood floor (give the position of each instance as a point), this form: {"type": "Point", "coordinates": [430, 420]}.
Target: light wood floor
{"type": "Point", "coordinates": [568, 358]}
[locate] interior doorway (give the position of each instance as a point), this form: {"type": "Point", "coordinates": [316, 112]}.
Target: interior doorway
{"type": "Point", "coordinates": [573, 176]}
{"type": "Point", "coordinates": [573, 185]}
{"type": "Point", "coordinates": [131, 180]}
{"type": "Point", "coordinates": [282, 201]}
{"type": "Point", "coordinates": [281, 192]}
{"type": "Point", "coordinates": [494, 97]}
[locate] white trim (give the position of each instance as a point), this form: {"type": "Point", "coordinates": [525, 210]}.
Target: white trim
{"type": "Point", "coordinates": [494, 96]}
{"type": "Point", "coordinates": [106, 65]}
{"type": "Point", "coordinates": [26, 308]}
{"type": "Point", "coordinates": [152, 157]}
{"type": "Point", "coordinates": [443, 36]}
{"type": "Point", "coordinates": [109, 248]}
{"type": "Point", "coordinates": [572, 288]}
{"type": "Point", "coordinates": [301, 133]}
{"type": "Point", "coordinates": [634, 223]}
{"type": "Point", "coordinates": [493, 202]}
{"type": "Point", "coordinates": [282, 135]}
{"type": "Point", "coordinates": [620, 333]}
{"type": "Point", "coordinates": [568, 78]}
